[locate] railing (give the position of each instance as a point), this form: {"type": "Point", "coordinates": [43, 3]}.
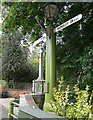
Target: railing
{"type": "Point", "coordinates": [30, 112]}
{"type": "Point", "coordinates": [11, 114]}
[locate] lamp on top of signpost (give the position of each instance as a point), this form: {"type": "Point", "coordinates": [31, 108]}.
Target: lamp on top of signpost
{"type": "Point", "coordinates": [51, 10]}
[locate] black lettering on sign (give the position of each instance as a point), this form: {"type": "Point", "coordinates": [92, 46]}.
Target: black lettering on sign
{"type": "Point", "coordinates": [75, 19]}
{"type": "Point", "coordinates": [71, 20]}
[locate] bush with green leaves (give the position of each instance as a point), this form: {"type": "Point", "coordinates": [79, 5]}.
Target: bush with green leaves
{"type": "Point", "coordinates": [80, 107]}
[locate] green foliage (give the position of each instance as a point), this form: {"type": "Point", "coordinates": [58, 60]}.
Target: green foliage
{"type": "Point", "coordinates": [3, 84]}
{"type": "Point", "coordinates": [0, 57]}
{"type": "Point", "coordinates": [87, 69]}
{"type": "Point", "coordinates": [63, 105]}
{"type": "Point", "coordinates": [15, 65]}
{"type": "Point", "coordinates": [74, 60]}
{"type": "Point", "coordinates": [74, 51]}
{"type": "Point", "coordinates": [12, 55]}
{"type": "Point", "coordinates": [61, 100]}
{"type": "Point", "coordinates": [22, 14]}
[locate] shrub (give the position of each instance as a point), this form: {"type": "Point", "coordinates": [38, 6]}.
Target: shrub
{"type": "Point", "coordinates": [81, 107]}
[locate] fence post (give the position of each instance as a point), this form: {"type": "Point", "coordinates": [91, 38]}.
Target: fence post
{"type": "Point", "coordinates": [11, 109]}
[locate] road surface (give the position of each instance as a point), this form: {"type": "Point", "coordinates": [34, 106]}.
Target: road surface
{"type": "Point", "coordinates": [4, 106]}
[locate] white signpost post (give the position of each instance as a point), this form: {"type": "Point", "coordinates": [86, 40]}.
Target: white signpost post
{"type": "Point", "coordinates": [38, 84]}
{"type": "Point", "coordinates": [68, 23]}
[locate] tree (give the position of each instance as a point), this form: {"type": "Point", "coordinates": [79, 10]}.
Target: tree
{"type": "Point", "coordinates": [76, 40]}
{"type": "Point", "coordinates": [22, 15]}
{"type": "Point", "coordinates": [73, 52]}
{"type": "Point", "coordinates": [12, 56]}
{"type": "Point", "coordinates": [0, 58]}
{"type": "Point", "coordinates": [15, 64]}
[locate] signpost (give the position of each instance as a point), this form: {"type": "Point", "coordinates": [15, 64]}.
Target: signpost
{"type": "Point", "coordinates": [68, 23]}
{"type": "Point", "coordinates": [38, 84]}
{"type": "Point", "coordinates": [59, 28]}
{"type": "Point", "coordinates": [51, 58]}
{"type": "Point", "coordinates": [40, 40]}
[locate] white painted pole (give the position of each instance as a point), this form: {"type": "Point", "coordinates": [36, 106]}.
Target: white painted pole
{"type": "Point", "coordinates": [41, 64]}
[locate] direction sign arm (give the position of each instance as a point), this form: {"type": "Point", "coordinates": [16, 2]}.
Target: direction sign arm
{"type": "Point", "coordinates": [68, 23]}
